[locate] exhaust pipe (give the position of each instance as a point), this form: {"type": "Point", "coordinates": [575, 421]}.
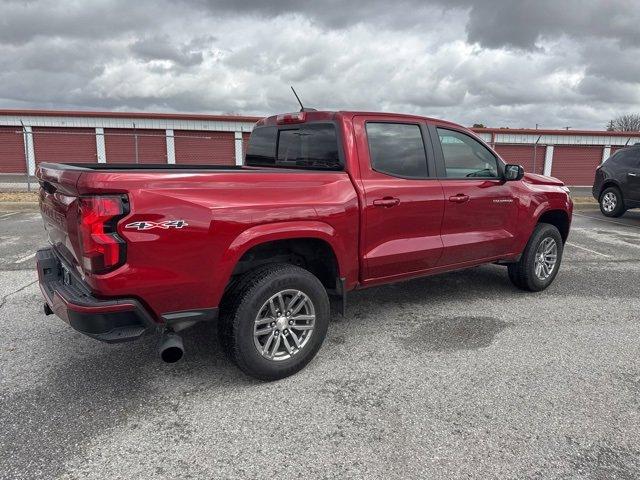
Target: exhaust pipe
{"type": "Point", "coordinates": [170, 348]}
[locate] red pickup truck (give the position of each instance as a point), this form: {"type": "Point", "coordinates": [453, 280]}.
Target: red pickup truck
{"type": "Point", "coordinates": [326, 202]}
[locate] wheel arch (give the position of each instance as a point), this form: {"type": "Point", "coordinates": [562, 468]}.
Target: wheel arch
{"type": "Point", "coordinates": [610, 182]}
{"type": "Point", "coordinates": [310, 244]}
{"type": "Point", "coordinates": [558, 218]}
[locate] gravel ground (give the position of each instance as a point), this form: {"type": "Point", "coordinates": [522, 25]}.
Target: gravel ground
{"type": "Point", "coordinates": [21, 197]}
{"type": "Point", "coordinates": [453, 376]}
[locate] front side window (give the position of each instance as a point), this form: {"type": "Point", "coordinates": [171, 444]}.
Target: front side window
{"type": "Point", "coordinates": [311, 146]}
{"type": "Point", "coordinates": [397, 149]}
{"type": "Point", "coordinates": [465, 157]}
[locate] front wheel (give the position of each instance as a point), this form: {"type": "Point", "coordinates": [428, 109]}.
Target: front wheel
{"type": "Point", "coordinates": [274, 321]}
{"type": "Point", "coordinates": [540, 260]}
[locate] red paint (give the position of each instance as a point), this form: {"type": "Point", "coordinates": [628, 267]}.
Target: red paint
{"type": "Point", "coordinates": [380, 228]}
{"type": "Point", "coordinates": [396, 238]}
{"type": "Point", "coordinates": [483, 225]}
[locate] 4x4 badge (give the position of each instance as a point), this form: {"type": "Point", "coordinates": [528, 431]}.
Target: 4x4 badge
{"type": "Point", "coordinates": [148, 225]}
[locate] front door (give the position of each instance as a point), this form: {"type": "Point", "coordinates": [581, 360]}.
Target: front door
{"type": "Point", "coordinates": [480, 216]}
{"type": "Point", "coordinates": [403, 203]}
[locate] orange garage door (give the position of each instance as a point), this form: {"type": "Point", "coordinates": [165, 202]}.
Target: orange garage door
{"type": "Point", "coordinates": [65, 145]}
{"type": "Point", "coordinates": [576, 165]}
{"type": "Point", "coordinates": [207, 148]}
{"type": "Point", "coordinates": [12, 150]}
{"type": "Point", "coordinates": [120, 145]}
{"type": "Point", "coordinates": [523, 155]}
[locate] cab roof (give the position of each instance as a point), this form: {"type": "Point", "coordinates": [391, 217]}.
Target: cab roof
{"type": "Point", "coordinates": [327, 115]}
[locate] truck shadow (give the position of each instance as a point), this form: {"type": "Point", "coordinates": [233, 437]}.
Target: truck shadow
{"type": "Point", "coordinates": [420, 303]}
{"type": "Point", "coordinates": [465, 285]}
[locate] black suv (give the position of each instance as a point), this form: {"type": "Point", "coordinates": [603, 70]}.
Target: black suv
{"type": "Point", "coordinates": [617, 182]}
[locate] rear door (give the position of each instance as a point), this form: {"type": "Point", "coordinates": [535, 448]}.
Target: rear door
{"type": "Point", "coordinates": [480, 214]}
{"type": "Point", "coordinates": [629, 164]}
{"type": "Point", "coordinates": [404, 204]}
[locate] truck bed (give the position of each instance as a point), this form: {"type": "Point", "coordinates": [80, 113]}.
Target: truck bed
{"type": "Point", "coordinates": [224, 209]}
{"type": "Point", "coordinates": [143, 166]}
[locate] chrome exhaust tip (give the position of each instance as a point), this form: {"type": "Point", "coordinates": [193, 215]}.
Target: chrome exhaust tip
{"type": "Point", "coordinates": [171, 349]}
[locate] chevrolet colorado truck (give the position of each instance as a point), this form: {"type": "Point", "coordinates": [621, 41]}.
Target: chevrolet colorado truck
{"type": "Point", "coordinates": [325, 203]}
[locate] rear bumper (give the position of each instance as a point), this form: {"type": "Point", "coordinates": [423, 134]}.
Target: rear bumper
{"type": "Point", "coordinates": [69, 298]}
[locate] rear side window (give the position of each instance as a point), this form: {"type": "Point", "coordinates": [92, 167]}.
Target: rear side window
{"type": "Point", "coordinates": [262, 146]}
{"type": "Point", "coordinates": [312, 146]}
{"type": "Point", "coordinates": [465, 157]}
{"type": "Point", "coordinates": [397, 149]}
{"type": "Point", "coordinates": [629, 157]}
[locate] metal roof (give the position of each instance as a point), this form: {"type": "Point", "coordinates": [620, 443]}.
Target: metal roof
{"type": "Point", "coordinates": [142, 115]}
{"type": "Point", "coordinates": [533, 131]}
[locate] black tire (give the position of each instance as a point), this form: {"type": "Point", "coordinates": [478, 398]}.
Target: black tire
{"type": "Point", "coordinates": [616, 194]}
{"type": "Point", "coordinates": [522, 273]}
{"type": "Point", "coordinates": [243, 303]}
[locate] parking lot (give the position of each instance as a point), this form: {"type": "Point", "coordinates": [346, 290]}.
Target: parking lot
{"type": "Point", "coordinates": [452, 376]}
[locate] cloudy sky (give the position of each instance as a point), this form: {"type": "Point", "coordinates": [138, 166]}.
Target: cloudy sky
{"type": "Point", "coordinates": [498, 62]}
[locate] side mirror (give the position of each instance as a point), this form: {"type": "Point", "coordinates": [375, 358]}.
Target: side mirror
{"type": "Point", "coordinates": [513, 172]}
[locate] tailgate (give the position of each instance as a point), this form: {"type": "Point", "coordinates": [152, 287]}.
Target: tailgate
{"type": "Point", "coordinates": [58, 199]}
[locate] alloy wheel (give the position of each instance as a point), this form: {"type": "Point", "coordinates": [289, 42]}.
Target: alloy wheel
{"type": "Point", "coordinates": [284, 324]}
{"type": "Point", "coordinates": [609, 202]}
{"type": "Point", "coordinates": [546, 258]}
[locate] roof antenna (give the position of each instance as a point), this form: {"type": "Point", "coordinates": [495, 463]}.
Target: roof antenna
{"type": "Point", "coordinates": [302, 109]}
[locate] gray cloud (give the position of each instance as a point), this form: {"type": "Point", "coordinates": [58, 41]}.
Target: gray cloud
{"type": "Point", "coordinates": [492, 23]}
{"type": "Point", "coordinates": [162, 47]}
{"type": "Point", "coordinates": [21, 22]}
{"type": "Point", "coordinates": [496, 62]}
{"type": "Point", "coordinates": [496, 23]}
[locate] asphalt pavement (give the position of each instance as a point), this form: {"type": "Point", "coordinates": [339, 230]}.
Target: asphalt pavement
{"type": "Point", "coordinates": [453, 376]}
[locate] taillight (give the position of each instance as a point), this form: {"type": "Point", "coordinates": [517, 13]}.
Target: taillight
{"type": "Point", "coordinates": [287, 118]}
{"type": "Point", "coordinates": [102, 248]}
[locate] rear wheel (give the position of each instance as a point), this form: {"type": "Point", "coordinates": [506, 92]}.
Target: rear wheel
{"type": "Point", "coordinates": [274, 321]}
{"type": "Point", "coordinates": [611, 202]}
{"type": "Point", "coordinates": [540, 260]}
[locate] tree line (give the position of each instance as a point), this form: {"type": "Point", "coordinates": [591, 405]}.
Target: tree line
{"type": "Point", "coordinates": [622, 123]}
{"type": "Point", "coordinates": [625, 123]}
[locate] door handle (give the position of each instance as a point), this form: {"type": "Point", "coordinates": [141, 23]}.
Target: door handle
{"type": "Point", "coordinates": [386, 202]}
{"type": "Point", "coordinates": [632, 174]}
{"type": "Point", "coordinates": [460, 198]}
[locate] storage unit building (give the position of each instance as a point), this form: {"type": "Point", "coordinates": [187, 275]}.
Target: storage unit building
{"type": "Point", "coordinates": [28, 137]}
